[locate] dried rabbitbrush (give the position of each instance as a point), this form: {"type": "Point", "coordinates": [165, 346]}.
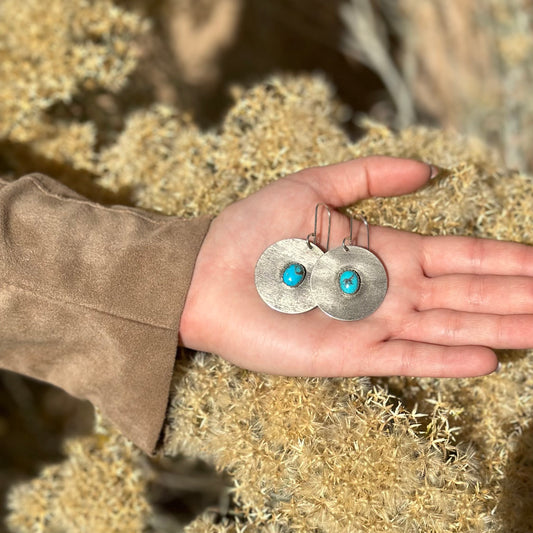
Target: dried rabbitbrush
{"type": "Point", "coordinates": [51, 50]}
{"type": "Point", "coordinates": [321, 455]}
{"type": "Point", "coordinates": [336, 454]}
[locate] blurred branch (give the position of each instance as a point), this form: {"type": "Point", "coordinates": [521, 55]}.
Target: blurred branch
{"type": "Point", "coordinates": [513, 34]}
{"type": "Point", "coordinates": [366, 40]}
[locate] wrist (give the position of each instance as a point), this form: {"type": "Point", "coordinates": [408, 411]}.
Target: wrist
{"type": "Point", "coordinates": [193, 330]}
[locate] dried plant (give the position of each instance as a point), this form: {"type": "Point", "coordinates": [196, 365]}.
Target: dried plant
{"type": "Point", "coordinates": [48, 51]}
{"type": "Point", "coordinates": [366, 40]}
{"type": "Point", "coordinates": [321, 455]}
{"type": "Point", "coordinates": [99, 488]}
{"type": "Point", "coordinates": [336, 455]}
{"type": "Point", "coordinates": [470, 65]}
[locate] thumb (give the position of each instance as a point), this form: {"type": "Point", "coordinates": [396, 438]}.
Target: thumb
{"type": "Point", "coordinates": [345, 183]}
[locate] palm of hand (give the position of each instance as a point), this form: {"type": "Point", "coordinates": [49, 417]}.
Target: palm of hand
{"type": "Point", "coordinates": [437, 317]}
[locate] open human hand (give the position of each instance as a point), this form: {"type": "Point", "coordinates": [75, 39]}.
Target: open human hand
{"type": "Point", "coordinates": [449, 299]}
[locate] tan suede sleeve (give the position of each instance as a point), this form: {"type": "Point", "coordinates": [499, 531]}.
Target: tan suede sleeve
{"type": "Point", "coordinates": [91, 298]}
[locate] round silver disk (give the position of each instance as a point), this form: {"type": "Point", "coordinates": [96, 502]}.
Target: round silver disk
{"type": "Point", "coordinates": [326, 288]}
{"type": "Point", "coordinates": [269, 275]}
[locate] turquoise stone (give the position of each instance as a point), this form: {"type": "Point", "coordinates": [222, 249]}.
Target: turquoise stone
{"type": "Point", "coordinates": [349, 281]}
{"type": "Point", "coordinates": [294, 274]}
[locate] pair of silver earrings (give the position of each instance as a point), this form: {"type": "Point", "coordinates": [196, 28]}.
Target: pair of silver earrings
{"type": "Point", "coordinates": [347, 283]}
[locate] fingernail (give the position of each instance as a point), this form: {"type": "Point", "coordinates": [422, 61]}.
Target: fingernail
{"type": "Point", "coordinates": [499, 367]}
{"type": "Point", "coordinates": [435, 171]}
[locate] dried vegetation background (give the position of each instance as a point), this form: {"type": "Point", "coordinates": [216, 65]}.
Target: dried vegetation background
{"type": "Point", "coordinates": [185, 106]}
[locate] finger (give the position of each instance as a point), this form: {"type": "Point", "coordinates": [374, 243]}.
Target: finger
{"type": "Point", "coordinates": [408, 358]}
{"type": "Point", "coordinates": [345, 183]}
{"type": "Point", "coordinates": [478, 294]}
{"type": "Point", "coordinates": [456, 328]}
{"type": "Point", "coordinates": [468, 255]}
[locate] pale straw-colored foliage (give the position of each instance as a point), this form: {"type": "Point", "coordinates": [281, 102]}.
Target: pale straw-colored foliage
{"type": "Point", "coordinates": [324, 455]}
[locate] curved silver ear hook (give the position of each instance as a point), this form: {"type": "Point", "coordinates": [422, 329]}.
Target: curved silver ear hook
{"type": "Point", "coordinates": [351, 229]}
{"type": "Point", "coordinates": [314, 234]}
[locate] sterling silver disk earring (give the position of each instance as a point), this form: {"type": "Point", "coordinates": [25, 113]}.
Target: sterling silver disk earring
{"type": "Point", "coordinates": [349, 282]}
{"type": "Point", "coordinates": [282, 273]}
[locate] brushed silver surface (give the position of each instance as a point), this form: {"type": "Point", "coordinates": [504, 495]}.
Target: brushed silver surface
{"type": "Point", "coordinates": [326, 290]}
{"type": "Point", "coordinates": [269, 275]}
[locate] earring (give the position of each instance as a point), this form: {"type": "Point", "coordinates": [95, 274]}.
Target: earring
{"type": "Point", "coordinates": [349, 282]}
{"type": "Point", "coordinates": [282, 273]}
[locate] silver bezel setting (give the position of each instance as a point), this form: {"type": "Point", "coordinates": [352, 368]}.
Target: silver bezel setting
{"type": "Point", "coordinates": [269, 275]}
{"type": "Point", "coordinates": [327, 293]}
